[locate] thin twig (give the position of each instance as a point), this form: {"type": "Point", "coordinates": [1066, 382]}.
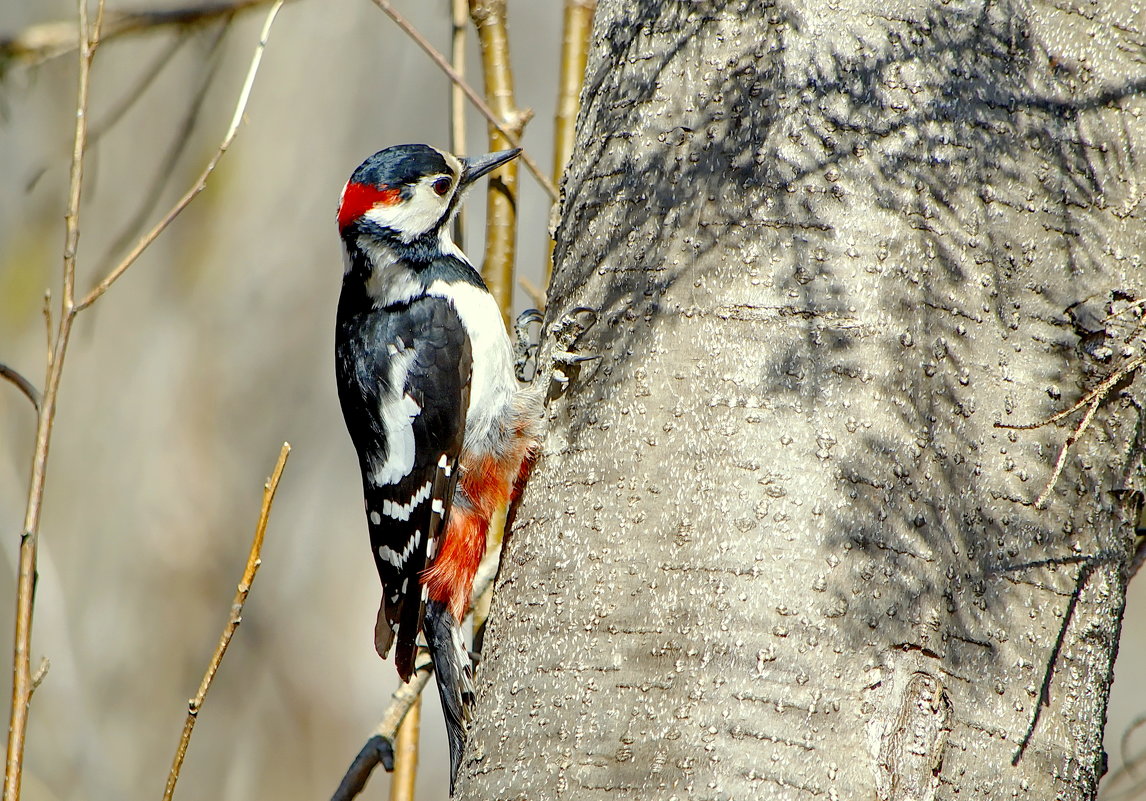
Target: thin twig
{"type": "Point", "coordinates": [379, 747]}
{"type": "Point", "coordinates": [49, 40]}
{"type": "Point", "coordinates": [23, 682]}
{"type": "Point", "coordinates": [47, 311]}
{"type": "Point", "coordinates": [1041, 501]}
{"type": "Point", "coordinates": [22, 679]}
{"type": "Point", "coordinates": [1092, 400]}
{"type": "Point", "coordinates": [473, 96]}
{"type": "Point", "coordinates": [1138, 304]}
{"type": "Point", "coordinates": [1100, 391]}
{"type": "Point", "coordinates": [201, 183]}
{"type": "Point", "coordinates": [233, 621]}
{"type": "Point", "coordinates": [22, 384]}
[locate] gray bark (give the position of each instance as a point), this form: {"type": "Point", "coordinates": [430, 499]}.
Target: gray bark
{"type": "Point", "coordinates": [776, 546]}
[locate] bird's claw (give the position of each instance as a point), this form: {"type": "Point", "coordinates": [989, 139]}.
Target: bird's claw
{"type": "Point", "coordinates": [570, 357]}
{"type": "Point", "coordinates": [571, 326]}
{"type": "Point", "coordinates": [566, 360]}
{"type": "Point", "coordinates": [524, 345]}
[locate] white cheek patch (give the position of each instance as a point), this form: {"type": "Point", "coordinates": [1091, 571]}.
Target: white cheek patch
{"type": "Point", "coordinates": [412, 217]}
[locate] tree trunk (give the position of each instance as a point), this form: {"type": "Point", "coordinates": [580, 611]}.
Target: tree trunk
{"type": "Point", "coordinates": [776, 546]}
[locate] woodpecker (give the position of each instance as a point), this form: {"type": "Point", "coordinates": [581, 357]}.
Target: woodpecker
{"type": "Point", "coordinates": [444, 432]}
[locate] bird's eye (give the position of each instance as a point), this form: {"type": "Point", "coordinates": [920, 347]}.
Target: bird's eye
{"type": "Point", "coordinates": [441, 185]}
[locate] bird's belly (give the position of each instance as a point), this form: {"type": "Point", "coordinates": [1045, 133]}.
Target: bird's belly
{"type": "Point", "coordinates": [490, 411]}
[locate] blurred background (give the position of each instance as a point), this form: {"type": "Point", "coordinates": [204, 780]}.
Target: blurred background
{"type": "Point", "coordinates": [184, 380]}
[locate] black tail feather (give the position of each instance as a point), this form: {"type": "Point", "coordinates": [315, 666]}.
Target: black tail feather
{"type": "Point", "coordinates": [454, 674]}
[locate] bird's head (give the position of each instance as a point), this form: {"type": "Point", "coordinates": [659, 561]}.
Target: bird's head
{"type": "Point", "coordinates": [407, 191]}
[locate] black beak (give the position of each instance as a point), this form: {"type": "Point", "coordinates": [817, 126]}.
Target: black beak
{"type": "Point", "coordinates": [477, 166]}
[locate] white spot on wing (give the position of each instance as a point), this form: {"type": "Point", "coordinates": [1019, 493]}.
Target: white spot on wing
{"type": "Point", "coordinates": [398, 411]}
{"type": "Point", "coordinates": [375, 518]}
{"type": "Point", "coordinates": [400, 511]}
{"type": "Point", "coordinates": [398, 558]}
{"type": "Point", "coordinates": [397, 418]}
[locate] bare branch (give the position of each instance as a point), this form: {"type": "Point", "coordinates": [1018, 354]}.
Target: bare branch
{"type": "Point", "coordinates": [53, 39]}
{"type": "Point", "coordinates": [406, 754]}
{"type": "Point", "coordinates": [459, 19]}
{"type": "Point", "coordinates": [574, 55]}
{"type": "Point", "coordinates": [578, 25]}
{"type": "Point", "coordinates": [1101, 391]}
{"type": "Point", "coordinates": [48, 330]}
{"type": "Point", "coordinates": [201, 183]}
{"type": "Point", "coordinates": [489, 17]}
{"type": "Point", "coordinates": [233, 621]}
{"type": "Point", "coordinates": [1041, 501]}
{"type": "Point", "coordinates": [1092, 400]}
{"type": "Point", "coordinates": [22, 680]}
{"type": "Point", "coordinates": [22, 384]}
{"type": "Point", "coordinates": [473, 96]}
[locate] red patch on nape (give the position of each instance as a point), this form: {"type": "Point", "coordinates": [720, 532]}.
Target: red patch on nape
{"type": "Point", "coordinates": [357, 199]}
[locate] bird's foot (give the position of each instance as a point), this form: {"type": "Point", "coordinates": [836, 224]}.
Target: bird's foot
{"type": "Point", "coordinates": [567, 359]}
{"type": "Point", "coordinates": [525, 344]}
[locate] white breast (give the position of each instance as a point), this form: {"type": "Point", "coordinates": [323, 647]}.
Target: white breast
{"type": "Point", "coordinates": [492, 385]}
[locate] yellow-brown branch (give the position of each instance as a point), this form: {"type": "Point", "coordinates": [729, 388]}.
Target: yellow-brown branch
{"type": "Point", "coordinates": [233, 620]}
{"type": "Point", "coordinates": [501, 209]}
{"type": "Point", "coordinates": [578, 25]}
{"type": "Point", "coordinates": [406, 754]}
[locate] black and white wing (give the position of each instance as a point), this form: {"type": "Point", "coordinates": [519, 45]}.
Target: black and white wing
{"type": "Point", "coordinates": [404, 376]}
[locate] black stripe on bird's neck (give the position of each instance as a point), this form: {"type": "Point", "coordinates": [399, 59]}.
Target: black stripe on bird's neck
{"type": "Point", "coordinates": [384, 272]}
